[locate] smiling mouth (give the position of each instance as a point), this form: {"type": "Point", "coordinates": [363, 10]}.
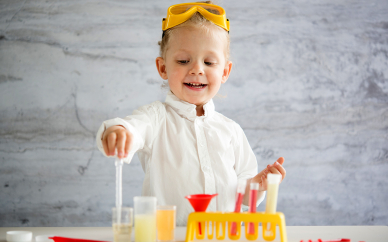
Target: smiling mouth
{"type": "Point", "coordinates": [196, 85]}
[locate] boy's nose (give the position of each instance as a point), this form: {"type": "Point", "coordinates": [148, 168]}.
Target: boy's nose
{"type": "Point", "coordinates": [196, 69]}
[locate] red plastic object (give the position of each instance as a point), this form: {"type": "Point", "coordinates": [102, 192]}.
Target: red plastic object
{"type": "Point", "coordinates": [237, 209]}
{"type": "Point", "coordinates": [64, 239]}
{"type": "Point", "coordinates": [252, 209]}
{"type": "Point", "coordinates": [200, 202]}
{"type": "Point", "coordinates": [338, 240]}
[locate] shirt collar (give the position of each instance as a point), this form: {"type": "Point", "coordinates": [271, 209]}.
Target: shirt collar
{"type": "Point", "coordinates": [188, 110]}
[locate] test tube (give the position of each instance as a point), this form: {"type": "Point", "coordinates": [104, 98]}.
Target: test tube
{"type": "Point", "coordinates": [145, 219]}
{"type": "Point", "coordinates": [272, 192]}
{"type": "Point", "coordinates": [252, 204]}
{"type": "Point", "coordinates": [240, 195]}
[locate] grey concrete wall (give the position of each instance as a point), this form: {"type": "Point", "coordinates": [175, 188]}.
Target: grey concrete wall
{"type": "Point", "coordinates": [309, 83]}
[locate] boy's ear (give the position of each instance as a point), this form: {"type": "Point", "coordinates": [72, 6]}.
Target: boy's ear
{"type": "Point", "coordinates": [227, 69]}
{"type": "Point", "coordinates": [161, 66]}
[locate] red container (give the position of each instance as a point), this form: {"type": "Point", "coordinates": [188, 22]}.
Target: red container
{"type": "Point", "coordinates": [200, 201]}
{"type": "Point", "coordinates": [64, 239]}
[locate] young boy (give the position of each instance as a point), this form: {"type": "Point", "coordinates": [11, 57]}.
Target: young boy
{"type": "Point", "coordinates": [184, 145]}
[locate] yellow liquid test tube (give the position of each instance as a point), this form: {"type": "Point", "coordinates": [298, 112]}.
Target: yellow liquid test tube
{"type": "Point", "coordinates": [269, 230]}
{"type": "Point", "coordinates": [272, 192]}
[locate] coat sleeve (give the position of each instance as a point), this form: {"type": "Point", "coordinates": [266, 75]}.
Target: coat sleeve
{"type": "Point", "coordinates": [142, 124]}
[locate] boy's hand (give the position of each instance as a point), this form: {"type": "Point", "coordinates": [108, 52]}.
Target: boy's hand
{"type": "Point", "coordinates": [275, 168]}
{"type": "Point", "coordinates": [117, 137]}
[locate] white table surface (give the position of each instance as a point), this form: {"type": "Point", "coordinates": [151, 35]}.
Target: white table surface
{"type": "Point", "coordinates": [294, 233]}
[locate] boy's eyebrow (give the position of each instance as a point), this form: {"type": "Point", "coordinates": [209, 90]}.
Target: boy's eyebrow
{"type": "Point", "coordinates": [188, 51]}
{"type": "Point", "coordinates": [182, 50]}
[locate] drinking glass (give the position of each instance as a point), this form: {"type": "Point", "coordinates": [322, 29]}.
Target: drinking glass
{"type": "Point", "coordinates": [122, 222]}
{"type": "Point", "coordinates": [165, 222]}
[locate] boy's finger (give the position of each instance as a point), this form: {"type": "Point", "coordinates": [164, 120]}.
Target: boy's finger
{"type": "Point", "coordinates": [274, 170]}
{"type": "Point", "coordinates": [120, 143]}
{"type": "Point", "coordinates": [111, 139]}
{"type": "Point", "coordinates": [280, 160]}
{"type": "Point", "coordinates": [278, 169]}
{"type": "Point", "coordinates": [281, 169]}
{"type": "Point", "coordinates": [105, 146]}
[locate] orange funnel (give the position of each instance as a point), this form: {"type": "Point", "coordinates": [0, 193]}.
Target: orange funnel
{"type": "Point", "coordinates": [200, 201]}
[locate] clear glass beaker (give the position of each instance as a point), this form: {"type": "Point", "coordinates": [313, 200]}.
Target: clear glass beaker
{"type": "Point", "coordinates": [145, 219]}
{"type": "Point", "coordinates": [122, 223]}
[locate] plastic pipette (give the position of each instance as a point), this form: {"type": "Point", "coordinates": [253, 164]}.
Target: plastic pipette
{"type": "Point", "coordinates": [119, 191]}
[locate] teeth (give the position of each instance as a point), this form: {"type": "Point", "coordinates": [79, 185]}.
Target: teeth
{"type": "Point", "coordinates": [195, 84]}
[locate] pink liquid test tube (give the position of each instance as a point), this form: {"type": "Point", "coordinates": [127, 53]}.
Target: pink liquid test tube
{"type": "Point", "coordinates": [252, 204]}
{"type": "Point", "coordinates": [240, 195]}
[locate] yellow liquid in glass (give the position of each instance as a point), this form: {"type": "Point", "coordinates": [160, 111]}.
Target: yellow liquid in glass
{"type": "Point", "coordinates": [165, 221]}
{"type": "Point", "coordinates": [145, 228]}
{"type": "Point", "coordinates": [122, 232]}
{"type": "Point", "coordinates": [272, 198]}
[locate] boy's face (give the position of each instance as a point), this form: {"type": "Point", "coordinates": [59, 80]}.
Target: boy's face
{"type": "Point", "coordinates": [195, 64]}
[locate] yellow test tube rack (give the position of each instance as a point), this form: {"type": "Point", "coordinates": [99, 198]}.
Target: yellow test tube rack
{"type": "Point", "coordinates": [215, 224]}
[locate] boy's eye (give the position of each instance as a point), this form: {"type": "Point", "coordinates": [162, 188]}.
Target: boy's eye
{"type": "Point", "coordinates": [208, 63]}
{"type": "Point", "coordinates": [183, 61]}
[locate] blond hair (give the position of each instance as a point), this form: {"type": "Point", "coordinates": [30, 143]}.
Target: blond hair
{"type": "Point", "coordinates": [197, 20]}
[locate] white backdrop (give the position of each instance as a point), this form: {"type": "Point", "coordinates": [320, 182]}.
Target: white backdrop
{"type": "Point", "coordinates": [309, 83]}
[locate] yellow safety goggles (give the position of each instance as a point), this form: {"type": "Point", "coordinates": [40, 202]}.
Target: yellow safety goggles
{"type": "Point", "coordinates": [179, 13]}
